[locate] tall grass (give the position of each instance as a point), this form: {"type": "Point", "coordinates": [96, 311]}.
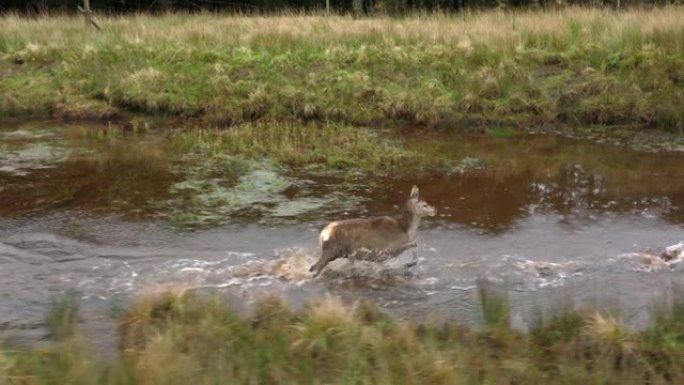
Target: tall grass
{"type": "Point", "coordinates": [183, 338]}
{"type": "Point", "coordinates": [572, 66]}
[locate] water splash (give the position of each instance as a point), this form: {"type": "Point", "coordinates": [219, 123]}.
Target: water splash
{"type": "Point", "coordinates": [651, 261]}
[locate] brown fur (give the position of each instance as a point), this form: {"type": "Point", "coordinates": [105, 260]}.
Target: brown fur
{"type": "Point", "coordinates": [376, 238]}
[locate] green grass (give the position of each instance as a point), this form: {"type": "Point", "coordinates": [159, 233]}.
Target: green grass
{"type": "Point", "coordinates": [26, 93]}
{"type": "Point", "coordinates": [572, 67]}
{"type": "Point", "coordinates": [184, 338]}
{"type": "Point", "coordinates": [62, 317]}
{"type": "Point", "coordinates": [329, 146]}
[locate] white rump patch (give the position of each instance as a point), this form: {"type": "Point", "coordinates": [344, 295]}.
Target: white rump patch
{"type": "Point", "coordinates": [327, 232]}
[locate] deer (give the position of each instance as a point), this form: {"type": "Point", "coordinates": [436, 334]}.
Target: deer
{"type": "Point", "coordinates": [374, 239]}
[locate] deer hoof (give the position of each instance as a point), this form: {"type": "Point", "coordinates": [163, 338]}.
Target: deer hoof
{"type": "Point", "coordinates": [410, 264]}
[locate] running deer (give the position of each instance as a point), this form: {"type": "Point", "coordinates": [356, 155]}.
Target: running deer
{"type": "Point", "coordinates": [376, 239]}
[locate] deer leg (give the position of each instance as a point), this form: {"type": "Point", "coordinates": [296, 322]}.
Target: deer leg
{"type": "Point", "coordinates": [413, 261]}
{"type": "Point", "coordinates": [391, 253]}
{"type": "Point", "coordinates": [328, 254]}
{"type": "Point", "coordinates": [352, 256]}
{"type": "Point", "coordinates": [317, 267]}
{"type": "Point", "coordinates": [405, 247]}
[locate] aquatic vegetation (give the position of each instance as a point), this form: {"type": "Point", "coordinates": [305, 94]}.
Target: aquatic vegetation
{"type": "Point", "coordinates": [221, 189]}
{"type": "Point", "coordinates": [333, 147]}
{"type": "Point", "coordinates": [469, 164]}
{"type": "Point", "coordinates": [179, 338]}
{"type": "Point", "coordinates": [265, 170]}
{"type": "Point", "coordinates": [23, 151]}
{"type": "Point", "coordinates": [201, 201]}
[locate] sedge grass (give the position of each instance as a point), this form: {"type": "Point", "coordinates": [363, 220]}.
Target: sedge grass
{"type": "Point", "coordinates": [333, 146]}
{"type": "Point", "coordinates": [180, 338]}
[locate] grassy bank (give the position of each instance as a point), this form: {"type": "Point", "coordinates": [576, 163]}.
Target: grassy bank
{"type": "Point", "coordinates": [183, 339]}
{"type": "Point", "coordinates": [571, 67]}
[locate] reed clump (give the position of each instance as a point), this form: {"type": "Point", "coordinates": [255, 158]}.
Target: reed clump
{"type": "Point", "coordinates": [180, 338]}
{"type": "Point", "coordinates": [574, 67]}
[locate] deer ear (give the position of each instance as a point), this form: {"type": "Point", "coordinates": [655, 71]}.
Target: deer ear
{"type": "Point", "coordinates": [414, 192]}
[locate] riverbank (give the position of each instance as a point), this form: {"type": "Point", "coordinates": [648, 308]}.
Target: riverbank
{"type": "Point", "coordinates": [572, 68]}
{"type": "Point", "coordinates": [184, 338]}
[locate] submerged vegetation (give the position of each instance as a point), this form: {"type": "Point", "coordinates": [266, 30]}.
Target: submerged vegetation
{"type": "Point", "coordinates": [265, 170]}
{"type": "Point", "coordinates": [572, 67]}
{"type": "Point", "coordinates": [183, 338]}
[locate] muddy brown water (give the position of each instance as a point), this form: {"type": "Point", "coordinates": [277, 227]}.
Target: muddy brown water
{"type": "Point", "coordinates": [547, 219]}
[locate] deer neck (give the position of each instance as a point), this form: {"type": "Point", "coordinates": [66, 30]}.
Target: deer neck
{"type": "Point", "coordinates": [409, 223]}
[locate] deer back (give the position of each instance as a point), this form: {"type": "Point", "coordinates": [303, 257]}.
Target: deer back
{"type": "Point", "coordinates": [377, 233]}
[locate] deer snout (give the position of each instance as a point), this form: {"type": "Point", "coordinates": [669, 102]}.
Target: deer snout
{"type": "Point", "coordinates": [430, 211]}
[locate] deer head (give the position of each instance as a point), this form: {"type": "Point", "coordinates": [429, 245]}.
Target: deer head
{"type": "Point", "coordinates": [418, 206]}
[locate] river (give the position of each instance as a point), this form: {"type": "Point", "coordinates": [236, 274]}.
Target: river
{"type": "Point", "coordinates": [551, 221]}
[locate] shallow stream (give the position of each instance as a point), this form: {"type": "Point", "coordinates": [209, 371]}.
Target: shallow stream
{"type": "Point", "coordinates": [553, 221]}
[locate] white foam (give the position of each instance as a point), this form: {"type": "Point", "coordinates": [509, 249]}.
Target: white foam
{"type": "Point", "coordinates": [647, 262]}
{"type": "Point", "coordinates": [464, 288]}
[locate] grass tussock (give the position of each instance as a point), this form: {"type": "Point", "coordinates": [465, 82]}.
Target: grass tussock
{"type": "Point", "coordinates": [183, 338]}
{"type": "Point", "coordinates": [572, 66]}
{"type": "Point", "coordinates": [334, 146]}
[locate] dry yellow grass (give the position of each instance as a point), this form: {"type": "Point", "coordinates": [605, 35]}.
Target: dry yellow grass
{"type": "Point", "coordinates": [493, 27]}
